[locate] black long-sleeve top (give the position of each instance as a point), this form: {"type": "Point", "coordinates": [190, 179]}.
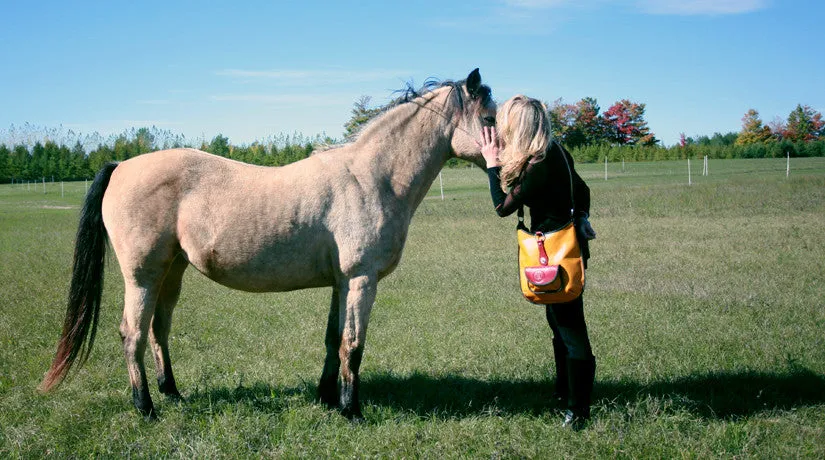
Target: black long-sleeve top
{"type": "Point", "coordinates": [544, 187]}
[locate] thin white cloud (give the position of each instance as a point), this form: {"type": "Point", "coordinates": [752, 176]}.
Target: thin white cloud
{"type": "Point", "coordinates": [700, 7]}
{"type": "Point", "coordinates": [537, 3]}
{"type": "Point", "coordinates": [658, 7]}
{"type": "Point", "coordinates": [313, 100]}
{"type": "Point", "coordinates": [502, 21]}
{"type": "Point", "coordinates": [313, 77]}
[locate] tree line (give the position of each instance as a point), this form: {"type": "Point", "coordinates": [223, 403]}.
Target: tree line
{"type": "Point", "coordinates": [620, 133]}
{"type": "Point", "coordinates": [37, 157]}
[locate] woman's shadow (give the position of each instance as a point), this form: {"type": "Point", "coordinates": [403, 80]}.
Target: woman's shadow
{"type": "Point", "coordinates": [719, 395]}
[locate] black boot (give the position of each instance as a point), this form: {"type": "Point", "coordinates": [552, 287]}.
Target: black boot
{"type": "Point", "coordinates": [560, 354]}
{"type": "Point", "coordinates": [581, 373]}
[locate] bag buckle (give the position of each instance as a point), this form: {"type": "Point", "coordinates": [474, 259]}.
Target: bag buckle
{"type": "Point", "coordinates": [542, 253]}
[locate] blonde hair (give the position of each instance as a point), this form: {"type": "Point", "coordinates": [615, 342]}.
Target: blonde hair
{"type": "Point", "coordinates": [524, 128]}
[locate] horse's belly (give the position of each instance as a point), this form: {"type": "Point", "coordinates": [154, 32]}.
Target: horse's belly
{"type": "Point", "coordinates": [277, 282]}
{"type": "Point", "coordinates": [264, 270]}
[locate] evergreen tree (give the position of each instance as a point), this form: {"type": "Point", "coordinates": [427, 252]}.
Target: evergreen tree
{"type": "Point", "coordinates": [804, 124]}
{"type": "Point", "coordinates": [361, 114]}
{"type": "Point", "coordinates": [78, 163]}
{"type": "Point", "coordinates": [99, 157]}
{"type": "Point", "coordinates": [5, 163]}
{"type": "Point", "coordinates": [21, 162]}
{"type": "Point", "coordinates": [219, 146]}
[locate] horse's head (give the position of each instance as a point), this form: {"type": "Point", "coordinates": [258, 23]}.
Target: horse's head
{"type": "Point", "coordinates": [479, 110]}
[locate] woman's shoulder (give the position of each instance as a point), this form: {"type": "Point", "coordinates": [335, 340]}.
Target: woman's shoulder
{"type": "Point", "coordinates": [547, 160]}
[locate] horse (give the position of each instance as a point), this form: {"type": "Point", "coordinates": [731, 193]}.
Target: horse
{"type": "Point", "coordinates": [337, 218]}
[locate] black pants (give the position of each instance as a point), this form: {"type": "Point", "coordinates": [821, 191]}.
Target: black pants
{"type": "Point", "coordinates": [567, 322]}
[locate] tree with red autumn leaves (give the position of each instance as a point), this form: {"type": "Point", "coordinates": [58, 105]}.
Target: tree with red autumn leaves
{"type": "Point", "coordinates": [626, 124]}
{"type": "Point", "coordinates": [804, 124]}
{"type": "Point", "coordinates": [581, 123]}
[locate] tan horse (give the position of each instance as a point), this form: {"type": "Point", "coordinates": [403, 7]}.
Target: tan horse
{"type": "Point", "coordinates": [338, 218]}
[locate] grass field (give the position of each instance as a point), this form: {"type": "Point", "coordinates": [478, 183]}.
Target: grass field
{"type": "Point", "coordinates": [705, 303]}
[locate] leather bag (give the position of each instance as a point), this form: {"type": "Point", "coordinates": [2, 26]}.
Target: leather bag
{"type": "Point", "coordinates": [551, 269]}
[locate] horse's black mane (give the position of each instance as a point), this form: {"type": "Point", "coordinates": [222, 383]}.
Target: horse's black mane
{"type": "Point", "coordinates": [409, 93]}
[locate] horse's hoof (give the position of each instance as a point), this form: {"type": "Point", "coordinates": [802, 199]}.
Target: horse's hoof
{"type": "Point", "coordinates": [328, 397]}
{"type": "Point", "coordinates": [354, 416]}
{"type": "Point", "coordinates": [168, 387]}
{"type": "Point", "coordinates": [143, 403]}
{"type": "Point", "coordinates": [357, 419]}
{"type": "Point", "coordinates": [149, 415]}
{"type": "Point", "coordinates": [329, 403]}
{"type": "Point", "coordinates": [175, 396]}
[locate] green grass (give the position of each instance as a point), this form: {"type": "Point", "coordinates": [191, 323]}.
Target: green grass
{"type": "Point", "coordinates": [704, 303]}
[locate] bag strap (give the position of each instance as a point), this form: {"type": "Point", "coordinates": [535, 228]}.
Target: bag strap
{"type": "Point", "coordinates": [570, 173]}
{"type": "Point", "coordinates": [572, 198]}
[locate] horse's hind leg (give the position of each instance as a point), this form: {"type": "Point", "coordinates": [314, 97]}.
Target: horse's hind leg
{"type": "Point", "coordinates": [328, 387]}
{"type": "Point", "coordinates": [162, 323]}
{"type": "Point", "coordinates": [140, 298]}
{"type": "Point", "coordinates": [355, 303]}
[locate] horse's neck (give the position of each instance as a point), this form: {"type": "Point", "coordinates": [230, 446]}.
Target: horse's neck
{"type": "Point", "coordinates": [408, 147]}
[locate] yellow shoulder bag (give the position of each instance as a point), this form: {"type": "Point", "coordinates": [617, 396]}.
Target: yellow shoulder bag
{"type": "Point", "coordinates": [551, 269]}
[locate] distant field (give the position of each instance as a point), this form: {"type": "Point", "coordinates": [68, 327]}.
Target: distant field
{"type": "Point", "coordinates": [705, 305]}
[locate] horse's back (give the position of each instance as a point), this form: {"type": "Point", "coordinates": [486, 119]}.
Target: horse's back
{"type": "Point", "coordinates": [244, 226]}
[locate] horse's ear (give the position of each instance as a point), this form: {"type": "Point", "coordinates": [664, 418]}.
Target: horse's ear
{"type": "Point", "coordinates": [474, 83]}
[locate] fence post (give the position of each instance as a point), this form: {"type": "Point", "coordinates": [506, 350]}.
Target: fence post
{"type": "Point", "coordinates": [788, 167]}
{"type": "Point", "coordinates": [689, 183]}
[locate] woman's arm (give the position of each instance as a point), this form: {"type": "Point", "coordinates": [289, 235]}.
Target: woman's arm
{"type": "Point", "coordinates": [505, 203]}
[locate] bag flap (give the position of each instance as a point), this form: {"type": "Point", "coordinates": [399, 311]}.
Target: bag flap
{"type": "Point", "coordinates": [542, 275]}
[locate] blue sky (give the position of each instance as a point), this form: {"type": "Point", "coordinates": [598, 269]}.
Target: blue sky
{"type": "Point", "coordinates": [250, 70]}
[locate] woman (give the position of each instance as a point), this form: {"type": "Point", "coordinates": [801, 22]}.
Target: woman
{"type": "Point", "coordinates": [526, 167]}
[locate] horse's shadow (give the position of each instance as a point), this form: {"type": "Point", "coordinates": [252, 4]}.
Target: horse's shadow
{"type": "Point", "coordinates": [720, 395]}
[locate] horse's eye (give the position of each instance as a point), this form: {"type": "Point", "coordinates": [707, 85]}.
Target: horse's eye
{"type": "Point", "coordinates": [490, 120]}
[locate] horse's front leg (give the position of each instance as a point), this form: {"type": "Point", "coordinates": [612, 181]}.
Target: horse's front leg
{"type": "Point", "coordinates": [328, 387]}
{"type": "Point", "coordinates": [356, 303]}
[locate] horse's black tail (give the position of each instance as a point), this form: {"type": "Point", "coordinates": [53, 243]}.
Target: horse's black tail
{"type": "Point", "coordinates": [87, 284]}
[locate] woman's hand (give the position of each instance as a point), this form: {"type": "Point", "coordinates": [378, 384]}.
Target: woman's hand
{"type": "Point", "coordinates": [490, 146]}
